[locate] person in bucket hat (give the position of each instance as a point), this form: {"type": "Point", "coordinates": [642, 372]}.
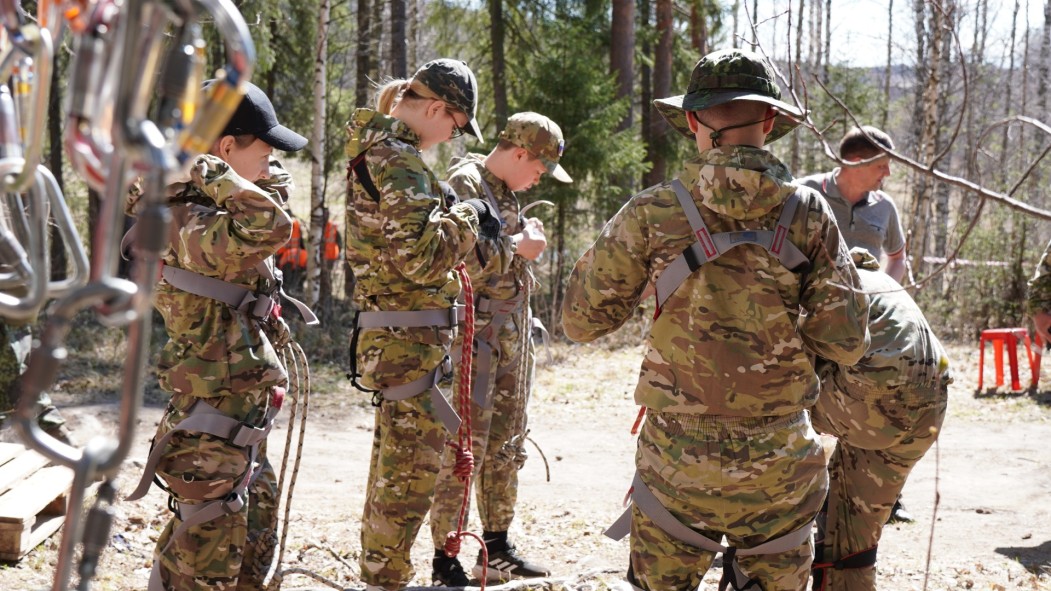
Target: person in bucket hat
{"type": "Point", "coordinates": [751, 279]}
{"type": "Point", "coordinates": [530, 146]}
{"type": "Point", "coordinates": [403, 241]}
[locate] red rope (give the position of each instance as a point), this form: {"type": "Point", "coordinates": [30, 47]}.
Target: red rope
{"type": "Point", "coordinates": [464, 468]}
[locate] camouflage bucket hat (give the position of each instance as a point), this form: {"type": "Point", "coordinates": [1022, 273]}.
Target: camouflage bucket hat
{"type": "Point", "coordinates": [724, 76]}
{"type": "Point", "coordinates": [541, 137]}
{"type": "Point", "coordinates": [453, 82]}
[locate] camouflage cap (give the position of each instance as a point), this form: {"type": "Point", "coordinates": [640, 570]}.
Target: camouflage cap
{"type": "Point", "coordinates": [541, 137]}
{"type": "Point", "coordinates": [724, 76]}
{"type": "Point", "coordinates": [453, 82]}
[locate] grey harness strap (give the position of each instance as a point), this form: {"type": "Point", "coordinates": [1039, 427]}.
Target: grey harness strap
{"type": "Point", "coordinates": [429, 382]}
{"type": "Point", "coordinates": [486, 341]}
{"type": "Point", "coordinates": [203, 418]}
{"type": "Point", "coordinates": [650, 506]}
{"type": "Point", "coordinates": [708, 247]}
{"type": "Point", "coordinates": [441, 318]}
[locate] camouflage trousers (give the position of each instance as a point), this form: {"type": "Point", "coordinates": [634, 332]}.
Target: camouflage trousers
{"type": "Point", "coordinates": [406, 454]}
{"type": "Point", "coordinates": [496, 471]}
{"type": "Point", "coordinates": [15, 345]}
{"type": "Point", "coordinates": [234, 551]}
{"type": "Point", "coordinates": [750, 479]}
{"type": "Point", "coordinates": [881, 438]}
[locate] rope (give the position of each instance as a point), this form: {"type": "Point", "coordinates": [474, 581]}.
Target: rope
{"type": "Point", "coordinates": [514, 449]}
{"type": "Point", "coordinates": [295, 361]}
{"type": "Point", "coordinates": [464, 468]}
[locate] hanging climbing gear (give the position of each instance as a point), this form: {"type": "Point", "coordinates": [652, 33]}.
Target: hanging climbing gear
{"type": "Point", "coordinates": [708, 247]}
{"type": "Point", "coordinates": [112, 129]}
{"type": "Point", "coordinates": [732, 576]}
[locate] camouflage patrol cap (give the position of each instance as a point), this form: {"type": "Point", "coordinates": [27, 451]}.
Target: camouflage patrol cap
{"type": "Point", "coordinates": [724, 76]}
{"type": "Point", "coordinates": [541, 137]}
{"type": "Point", "coordinates": [453, 82]}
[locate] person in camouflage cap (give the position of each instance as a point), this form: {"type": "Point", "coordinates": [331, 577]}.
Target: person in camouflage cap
{"type": "Point", "coordinates": [752, 279]}
{"type": "Point", "coordinates": [403, 242]}
{"type": "Point", "coordinates": [221, 361]}
{"type": "Point", "coordinates": [886, 411]}
{"type": "Point", "coordinates": [530, 145]}
{"type": "Point", "coordinates": [1039, 300]}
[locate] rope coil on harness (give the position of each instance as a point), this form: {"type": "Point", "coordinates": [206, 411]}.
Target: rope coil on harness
{"type": "Point", "coordinates": [464, 469]}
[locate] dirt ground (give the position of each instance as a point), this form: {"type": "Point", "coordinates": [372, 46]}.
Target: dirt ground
{"type": "Point", "coordinates": [991, 528]}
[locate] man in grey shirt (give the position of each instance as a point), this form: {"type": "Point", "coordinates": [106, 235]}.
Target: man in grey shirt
{"type": "Point", "coordinates": [867, 217]}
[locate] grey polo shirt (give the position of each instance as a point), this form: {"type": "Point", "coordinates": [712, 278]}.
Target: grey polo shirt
{"type": "Point", "coordinates": [872, 223]}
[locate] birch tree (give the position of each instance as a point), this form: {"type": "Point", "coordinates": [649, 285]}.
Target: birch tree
{"type": "Point", "coordinates": [318, 211]}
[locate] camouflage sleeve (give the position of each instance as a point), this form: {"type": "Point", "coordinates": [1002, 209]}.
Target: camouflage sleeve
{"type": "Point", "coordinates": [247, 227]}
{"type": "Point", "coordinates": [424, 239]}
{"type": "Point", "coordinates": [279, 184]}
{"type": "Point", "coordinates": [834, 321]}
{"type": "Point", "coordinates": [608, 280]}
{"type": "Point", "coordinates": [1040, 285]}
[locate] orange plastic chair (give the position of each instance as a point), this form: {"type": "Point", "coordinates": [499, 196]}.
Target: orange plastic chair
{"type": "Point", "coordinates": [1008, 338]}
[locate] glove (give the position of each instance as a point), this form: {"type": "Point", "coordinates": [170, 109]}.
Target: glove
{"type": "Point", "coordinates": [449, 194]}
{"type": "Point", "coordinates": [488, 222]}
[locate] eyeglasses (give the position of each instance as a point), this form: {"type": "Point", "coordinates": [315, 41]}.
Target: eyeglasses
{"type": "Point", "coordinates": [457, 130]}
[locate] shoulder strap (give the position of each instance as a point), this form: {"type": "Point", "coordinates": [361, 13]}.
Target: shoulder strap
{"type": "Point", "coordinates": [358, 168]}
{"type": "Point", "coordinates": [708, 247]}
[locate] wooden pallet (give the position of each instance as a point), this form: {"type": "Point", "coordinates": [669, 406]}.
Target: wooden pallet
{"type": "Point", "coordinates": [33, 499]}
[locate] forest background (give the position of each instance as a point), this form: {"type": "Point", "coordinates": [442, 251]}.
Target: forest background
{"type": "Point", "coordinates": [594, 66]}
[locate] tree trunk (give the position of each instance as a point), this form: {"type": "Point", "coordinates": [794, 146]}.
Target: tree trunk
{"type": "Point", "coordinates": [737, 29]}
{"type": "Point", "coordinates": [54, 132]}
{"type": "Point", "coordinates": [376, 40]}
{"type": "Point", "coordinates": [496, 39]}
{"type": "Point", "coordinates": [795, 78]}
{"type": "Point", "coordinates": [398, 40]}
{"type": "Point", "coordinates": [646, 76]}
{"type": "Point", "coordinates": [920, 22]}
{"type": "Point", "coordinates": [1045, 56]}
{"type": "Point", "coordinates": [414, 32]}
{"type": "Point", "coordinates": [924, 188]}
{"type": "Point", "coordinates": [752, 22]}
{"type": "Point", "coordinates": [828, 41]}
{"type": "Point", "coordinates": [699, 26]}
{"type": "Point", "coordinates": [363, 65]}
{"type": "Point", "coordinates": [887, 71]}
{"type": "Point", "coordinates": [622, 55]}
{"type": "Point", "coordinates": [1009, 85]}
{"type": "Point", "coordinates": [318, 211]}
{"type": "Point", "coordinates": [656, 148]}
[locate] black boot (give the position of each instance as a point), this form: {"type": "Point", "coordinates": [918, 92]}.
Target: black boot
{"type": "Point", "coordinates": [447, 572]}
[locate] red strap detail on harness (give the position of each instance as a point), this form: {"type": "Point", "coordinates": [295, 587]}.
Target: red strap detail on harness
{"type": "Point", "coordinates": [706, 242]}
{"type": "Point", "coordinates": [779, 239]}
{"type": "Point", "coordinates": [638, 420]}
{"type": "Point", "coordinates": [277, 397]}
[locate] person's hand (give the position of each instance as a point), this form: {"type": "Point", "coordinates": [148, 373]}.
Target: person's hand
{"type": "Point", "coordinates": [531, 240]}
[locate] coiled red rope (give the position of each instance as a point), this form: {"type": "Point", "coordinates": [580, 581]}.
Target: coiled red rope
{"type": "Point", "coordinates": [464, 468]}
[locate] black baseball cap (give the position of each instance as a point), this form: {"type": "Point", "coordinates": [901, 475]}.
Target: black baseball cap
{"type": "Point", "coordinates": [255, 115]}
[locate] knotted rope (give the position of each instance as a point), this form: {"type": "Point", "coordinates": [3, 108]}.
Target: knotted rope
{"type": "Point", "coordinates": [464, 468]}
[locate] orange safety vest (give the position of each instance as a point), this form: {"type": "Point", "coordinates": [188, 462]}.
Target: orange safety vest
{"type": "Point", "coordinates": [330, 242]}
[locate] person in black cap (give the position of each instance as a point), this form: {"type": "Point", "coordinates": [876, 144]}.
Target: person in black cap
{"type": "Point", "coordinates": [403, 241]}
{"type": "Point", "coordinates": [222, 362]}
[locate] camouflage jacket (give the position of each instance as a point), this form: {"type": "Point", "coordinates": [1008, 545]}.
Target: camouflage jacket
{"type": "Point", "coordinates": [1040, 284]}
{"type": "Point", "coordinates": [502, 277]}
{"type": "Point", "coordinates": [736, 338]}
{"type": "Point", "coordinates": [222, 226]}
{"type": "Point", "coordinates": [402, 249]}
{"type": "Point", "coordinates": [904, 353]}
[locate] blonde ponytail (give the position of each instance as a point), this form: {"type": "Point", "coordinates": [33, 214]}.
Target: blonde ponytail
{"type": "Point", "coordinates": [388, 94]}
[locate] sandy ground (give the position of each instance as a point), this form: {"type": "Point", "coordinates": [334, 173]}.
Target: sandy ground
{"type": "Point", "coordinates": [991, 528]}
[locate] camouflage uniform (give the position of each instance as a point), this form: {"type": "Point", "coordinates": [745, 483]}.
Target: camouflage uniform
{"type": "Point", "coordinates": [223, 226]}
{"type": "Point", "coordinates": [402, 250]}
{"type": "Point", "coordinates": [727, 448]}
{"type": "Point", "coordinates": [886, 411]}
{"type": "Point", "coordinates": [1039, 298]}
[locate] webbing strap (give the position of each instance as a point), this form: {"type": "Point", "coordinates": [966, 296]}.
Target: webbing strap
{"type": "Point", "coordinates": [708, 247]}
{"type": "Point", "coordinates": [650, 506]}
{"type": "Point", "coordinates": [441, 318]}
{"type": "Point", "coordinates": [236, 296]}
{"type": "Point", "coordinates": [429, 382]}
{"type": "Point", "coordinates": [492, 199]}
{"type": "Point", "coordinates": [361, 170]}
{"type": "Point", "coordinates": [194, 515]}
{"type": "Point", "coordinates": [203, 418]}
{"type": "Point", "coordinates": [863, 559]}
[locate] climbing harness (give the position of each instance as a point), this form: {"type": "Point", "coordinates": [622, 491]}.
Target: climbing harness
{"type": "Point", "coordinates": [708, 247]}
{"type": "Point", "coordinates": [732, 576]}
